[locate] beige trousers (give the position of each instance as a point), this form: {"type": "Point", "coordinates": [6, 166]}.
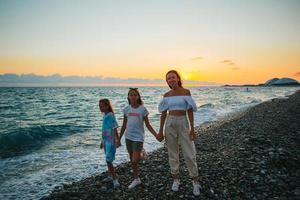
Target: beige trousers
{"type": "Point", "coordinates": [177, 134]}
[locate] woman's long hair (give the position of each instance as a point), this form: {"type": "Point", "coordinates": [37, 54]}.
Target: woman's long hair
{"type": "Point", "coordinates": [178, 76]}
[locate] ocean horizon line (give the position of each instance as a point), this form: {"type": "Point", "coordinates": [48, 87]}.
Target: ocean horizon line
{"type": "Point", "coordinates": [12, 79]}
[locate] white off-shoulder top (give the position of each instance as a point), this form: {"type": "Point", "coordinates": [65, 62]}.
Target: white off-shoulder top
{"type": "Point", "coordinates": [177, 103]}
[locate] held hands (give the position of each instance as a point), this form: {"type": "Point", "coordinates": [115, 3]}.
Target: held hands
{"type": "Point", "coordinates": [118, 142]}
{"type": "Point", "coordinates": [160, 136]}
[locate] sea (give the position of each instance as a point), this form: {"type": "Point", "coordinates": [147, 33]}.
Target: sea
{"type": "Point", "coordinates": [50, 136]}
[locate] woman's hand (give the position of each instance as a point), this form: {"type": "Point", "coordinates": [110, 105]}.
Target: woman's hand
{"type": "Point", "coordinates": [160, 136]}
{"type": "Point", "coordinates": [192, 135]}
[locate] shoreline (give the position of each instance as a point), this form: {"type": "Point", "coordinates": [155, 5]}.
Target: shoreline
{"type": "Point", "coordinates": [251, 154]}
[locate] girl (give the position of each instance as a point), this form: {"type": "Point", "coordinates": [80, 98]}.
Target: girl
{"type": "Point", "coordinates": [179, 129]}
{"type": "Point", "coordinates": [135, 114]}
{"type": "Point", "coordinates": [110, 138]}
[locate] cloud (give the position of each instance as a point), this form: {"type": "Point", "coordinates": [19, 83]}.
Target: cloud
{"type": "Point", "coordinates": [197, 58]}
{"type": "Point", "coordinates": [297, 74]}
{"type": "Point", "coordinates": [226, 61]}
{"type": "Point", "coordinates": [11, 80]}
{"type": "Point", "coordinates": [235, 68]}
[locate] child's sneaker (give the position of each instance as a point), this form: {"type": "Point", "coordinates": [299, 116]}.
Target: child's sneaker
{"type": "Point", "coordinates": [175, 185]}
{"type": "Point", "coordinates": [196, 188]}
{"type": "Point", "coordinates": [134, 183]}
{"type": "Point", "coordinates": [116, 183]}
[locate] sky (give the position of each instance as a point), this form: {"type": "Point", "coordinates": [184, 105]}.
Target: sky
{"type": "Point", "coordinates": [216, 41]}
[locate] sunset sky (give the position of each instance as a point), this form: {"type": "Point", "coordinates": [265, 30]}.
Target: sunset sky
{"type": "Point", "coordinates": [224, 41]}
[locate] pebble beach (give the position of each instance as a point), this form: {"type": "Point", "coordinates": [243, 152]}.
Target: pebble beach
{"type": "Point", "coordinates": [253, 154]}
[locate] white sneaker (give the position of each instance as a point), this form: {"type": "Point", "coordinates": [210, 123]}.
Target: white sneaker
{"type": "Point", "coordinates": [196, 188]}
{"type": "Point", "coordinates": [175, 185]}
{"type": "Point", "coordinates": [134, 183]}
{"type": "Point", "coordinates": [116, 183]}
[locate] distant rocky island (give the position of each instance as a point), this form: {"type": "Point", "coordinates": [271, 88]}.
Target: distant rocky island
{"type": "Point", "coordinates": [272, 82]}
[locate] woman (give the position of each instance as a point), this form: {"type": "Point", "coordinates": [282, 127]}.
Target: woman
{"type": "Point", "coordinates": [179, 129]}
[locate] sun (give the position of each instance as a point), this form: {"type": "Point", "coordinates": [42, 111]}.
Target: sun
{"type": "Point", "coordinates": [190, 75]}
{"type": "Point", "coordinates": [185, 75]}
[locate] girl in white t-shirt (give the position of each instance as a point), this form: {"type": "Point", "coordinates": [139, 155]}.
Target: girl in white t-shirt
{"type": "Point", "coordinates": [135, 114]}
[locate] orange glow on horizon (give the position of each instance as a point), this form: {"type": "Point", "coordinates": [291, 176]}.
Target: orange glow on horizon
{"type": "Point", "coordinates": [213, 71]}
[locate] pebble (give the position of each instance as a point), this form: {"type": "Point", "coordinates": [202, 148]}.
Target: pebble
{"type": "Point", "coordinates": [251, 155]}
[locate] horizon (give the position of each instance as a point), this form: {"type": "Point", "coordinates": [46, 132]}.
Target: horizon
{"type": "Point", "coordinates": [57, 80]}
{"type": "Point", "coordinates": [214, 42]}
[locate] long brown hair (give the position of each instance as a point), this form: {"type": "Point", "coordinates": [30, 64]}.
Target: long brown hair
{"type": "Point", "coordinates": [107, 102]}
{"type": "Point", "coordinates": [178, 76]}
{"type": "Point", "coordinates": [139, 101]}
